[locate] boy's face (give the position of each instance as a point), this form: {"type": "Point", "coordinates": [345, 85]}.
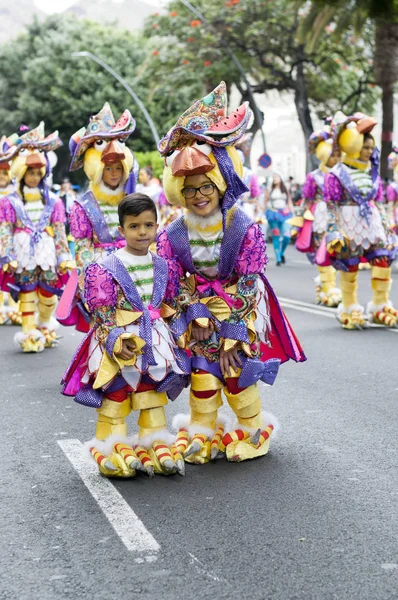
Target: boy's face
{"type": "Point", "coordinates": [112, 175]}
{"type": "Point", "coordinates": [139, 232]}
{"type": "Point", "coordinates": [32, 177]}
{"type": "Point", "coordinates": [4, 178]}
{"type": "Point", "coordinates": [201, 204]}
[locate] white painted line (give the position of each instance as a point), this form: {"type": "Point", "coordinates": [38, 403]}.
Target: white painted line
{"type": "Point", "coordinates": [120, 515]}
{"type": "Point", "coordinates": [200, 567]}
{"type": "Point", "coordinates": [321, 311]}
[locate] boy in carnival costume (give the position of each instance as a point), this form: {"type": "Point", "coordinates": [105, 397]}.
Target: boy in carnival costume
{"type": "Point", "coordinates": [112, 170]}
{"type": "Point", "coordinates": [358, 227]}
{"type": "Point", "coordinates": [309, 224]}
{"type": "Point", "coordinates": [227, 314]}
{"type": "Point", "coordinates": [35, 253]}
{"type": "Point", "coordinates": [10, 313]}
{"type": "Point", "coordinates": [128, 361]}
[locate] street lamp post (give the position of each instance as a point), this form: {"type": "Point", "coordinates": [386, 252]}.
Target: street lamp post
{"type": "Point", "coordinates": [126, 86]}
{"type": "Point", "coordinates": [257, 114]}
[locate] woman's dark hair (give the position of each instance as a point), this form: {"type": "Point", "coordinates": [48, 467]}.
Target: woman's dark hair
{"type": "Point", "coordinates": [135, 204]}
{"type": "Point", "coordinates": [369, 136]}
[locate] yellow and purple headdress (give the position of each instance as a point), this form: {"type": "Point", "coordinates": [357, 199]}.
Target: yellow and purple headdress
{"type": "Point", "coordinates": [349, 133]}
{"type": "Point", "coordinates": [202, 141]}
{"type": "Point", "coordinates": [8, 150]}
{"type": "Point", "coordinates": [103, 142]}
{"type": "Point", "coordinates": [31, 151]}
{"type": "Point", "coordinates": [320, 143]}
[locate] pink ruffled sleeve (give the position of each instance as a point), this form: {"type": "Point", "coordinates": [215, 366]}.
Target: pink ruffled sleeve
{"type": "Point", "coordinates": [255, 189]}
{"type": "Point", "coordinates": [333, 191]}
{"type": "Point", "coordinates": [391, 194]}
{"type": "Point", "coordinates": [99, 287]}
{"type": "Point", "coordinates": [252, 257]}
{"type": "Point", "coordinates": [309, 188]}
{"type": "Point", "coordinates": [165, 250]}
{"type": "Point", "coordinates": [7, 212]}
{"type": "Point", "coordinates": [80, 226]}
{"type": "Point", "coordinates": [58, 215]}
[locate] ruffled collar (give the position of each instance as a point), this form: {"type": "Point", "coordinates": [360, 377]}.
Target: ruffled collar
{"type": "Point", "coordinates": [105, 195]}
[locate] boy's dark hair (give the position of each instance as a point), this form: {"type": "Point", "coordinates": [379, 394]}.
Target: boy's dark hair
{"type": "Point", "coordinates": [135, 204]}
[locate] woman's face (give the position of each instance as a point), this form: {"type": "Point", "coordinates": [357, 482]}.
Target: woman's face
{"type": "Point", "coordinates": [202, 204]}
{"type": "Point", "coordinates": [276, 180]}
{"type": "Point", "coordinates": [143, 177]}
{"type": "Point", "coordinates": [367, 150]}
{"type": "Point", "coordinates": [334, 158]}
{"type": "Point", "coordinates": [32, 177]}
{"type": "Point", "coordinates": [4, 178]}
{"type": "Point", "coordinates": [113, 174]}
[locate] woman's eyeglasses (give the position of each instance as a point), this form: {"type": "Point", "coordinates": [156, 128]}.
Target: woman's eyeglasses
{"type": "Point", "coordinates": [206, 190]}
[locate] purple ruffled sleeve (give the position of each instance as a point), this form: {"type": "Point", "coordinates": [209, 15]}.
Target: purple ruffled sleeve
{"type": "Point", "coordinates": [7, 212]}
{"type": "Point", "coordinates": [99, 287]}
{"type": "Point", "coordinates": [391, 193]}
{"type": "Point", "coordinates": [58, 215]}
{"type": "Point", "coordinates": [252, 257]}
{"type": "Point", "coordinates": [309, 188]}
{"type": "Point", "coordinates": [333, 191]}
{"type": "Point", "coordinates": [380, 193]}
{"type": "Point", "coordinates": [80, 226]}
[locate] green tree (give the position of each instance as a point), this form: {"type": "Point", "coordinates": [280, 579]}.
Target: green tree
{"type": "Point", "coordinates": [264, 37]}
{"type": "Point", "coordinates": [356, 15]}
{"type": "Point", "coordinates": [40, 80]}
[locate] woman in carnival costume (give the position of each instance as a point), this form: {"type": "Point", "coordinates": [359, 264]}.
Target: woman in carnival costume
{"type": "Point", "coordinates": [10, 313]}
{"type": "Point", "coordinates": [309, 223]}
{"type": "Point", "coordinates": [128, 361]}
{"type": "Point", "coordinates": [392, 189]}
{"type": "Point", "coordinates": [35, 253]}
{"type": "Point", "coordinates": [278, 210]}
{"type": "Point", "coordinates": [226, 313]}
{"type": "Point", "coordinates": [112, 171]}
{"type": "Point", "coordinates": [358, 228]}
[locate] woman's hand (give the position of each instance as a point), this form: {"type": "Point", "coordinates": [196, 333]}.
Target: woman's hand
{"type": "Point", "coordinates": [229, 359]}
{"type": "Point", "coordinates": [201, 333]}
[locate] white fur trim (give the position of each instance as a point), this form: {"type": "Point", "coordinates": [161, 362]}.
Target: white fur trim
{"type": "Point", "coordinates": [267, 418]}
{"type": "Point", "coordinates": [374, 308]}
{"type": "Point", "coordinates": [194, 222]}
{"type": "Point", "coordinates": [332, 292]}
{"type": "Point", "coordinates": [348, 309]}
{"type": "Point", "coordinates": [20, 337]}
{"type": "Point", "coordinates": [161, 435]}
{"type": "Point", "coordinates": [180, 421]}
{"type": "Point", "coordinates": [51, 325]}
{"type": "Point", "coordinates": [105, 446]}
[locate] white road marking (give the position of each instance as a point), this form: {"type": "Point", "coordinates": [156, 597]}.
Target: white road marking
{"type": "Point", "coordinates": [120, 515]}
{"type": "Point", "coordinates": [322, 311]}
{"type": "Point", "coordinates": [200, 567]}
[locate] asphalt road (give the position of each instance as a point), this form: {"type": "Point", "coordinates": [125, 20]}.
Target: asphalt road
{"type": "Point", "coordinates": [316, 519]}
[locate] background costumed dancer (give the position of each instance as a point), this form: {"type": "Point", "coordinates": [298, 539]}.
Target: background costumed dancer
{"type": "Point", "coordinates": [278, 210]}
{"type": "Point", "coordinates": [310, 221]}
{"type": "Point", "coordinates": [392, 189]}
{"type": "Point", "coordinates": [9, 313]}
{"type": "Point", "coordinates": [34, 245]}
{"type": "Point", "coordinates": [112, 171]}
{"type": "Point", "coordinates": [129, 361]}
{"type": "Point", "coordinates": [227, 313]}
{"type": "Point", "coordinates": [358, 227]}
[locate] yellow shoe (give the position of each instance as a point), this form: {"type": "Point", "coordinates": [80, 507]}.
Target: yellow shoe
{"type": "Point", "coordinates": [385, 315]}
{"type": "Point", "coordinates": [31, 342]}
{"type": "Point", "coordinates": [351, 318]}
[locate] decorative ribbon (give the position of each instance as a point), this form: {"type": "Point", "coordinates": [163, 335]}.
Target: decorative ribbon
{"type": "Point", "coordinates": [365, 209]}
{"type": "Point", "coordinates": [205, 285]}
{"type": "Point", "coordinates": [154, 312]}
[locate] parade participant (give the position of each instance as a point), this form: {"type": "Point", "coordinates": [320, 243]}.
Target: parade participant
{"type": "Point", "coordinates": [112, 171]}
{"type": "Point", "coordinates": [278, 209]}
{"type": "Point", "coordinates": [128, 361]}
{"type": "Point", "coordinates": [309, 222]}
{"type": "Point", "coordinates": [228, 314]}
{"type": "Point", "coordinates": [148, 184]}
{"type": "Point", "coordinates": [34, 243]}
{"type": "Point", "coordinates": [358, 227]}
{"type": "Point", "coordinates": [250, 202]}
{"type": "Point", "coordinates": [9, 313]}
{"type": "Point", "coordinates": [392, 188]}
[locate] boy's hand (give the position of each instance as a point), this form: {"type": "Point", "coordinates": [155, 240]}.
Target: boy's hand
{"type": "Point", "coordinates": [127, 351]}
{"type": "Point", "coordinates": [201, 333]}
{"type": "Point", "coordinates": [229, 359]}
